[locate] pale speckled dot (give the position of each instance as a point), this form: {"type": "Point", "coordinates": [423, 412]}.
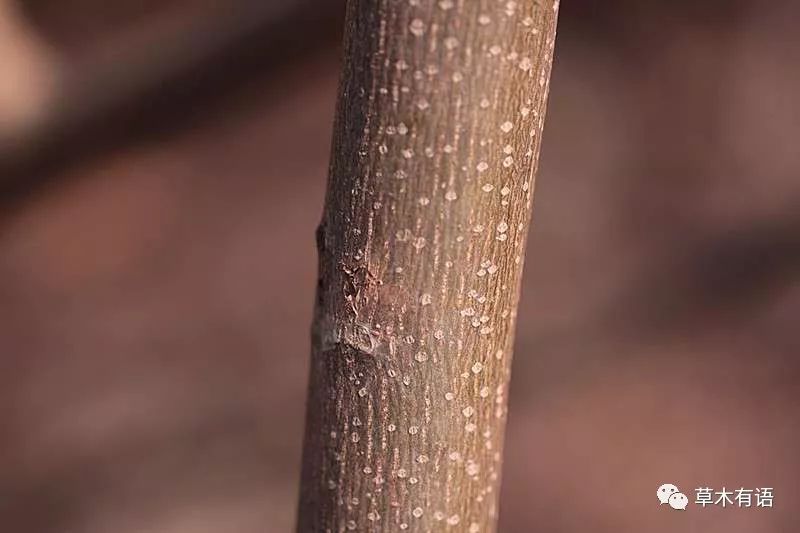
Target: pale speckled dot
{"type": "Point", "coordinates": [484, 20]}
{"type": "Point", "coordinates": [453, 520]}
{"type": "Point", "coordinates": [450, 196]}
{"type": "Point", "coordinates": [417, 27]}
{"type": "Point", "coordinates": [451, 43]}
{"type": "Point", "coordinates": [506, 126]}
{"type": "Point", "coordinates": [449, 396]}
{"type": "Point", "coordinates": [508, 161]}
{"type": "Point", "coordinates": [505, 191]}
{"type": "Point", "coordinates": [470, 427]}
{"type": "Point", "coordinates": [502, 227]}
{"type": "Point", "coordinates": [413, 430]}
{"type": "Point", "coordinates": [484, 393]}
{"type": "Point", "coordinates": [468, 411]}
{"type": "Point", "coordinates": [482, 166]}
{"type": "Point", "coordinates": [421, 356]}
{"type": "Point", "coordinates": [417, 512]}
{"type": "Point", "coordinates": [477, 367]}
{"type": "Point", "coordinates": [487, 187]}
{"type": "Point", "coordinates": [446, 4]}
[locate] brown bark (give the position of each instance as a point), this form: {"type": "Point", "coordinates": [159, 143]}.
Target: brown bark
{"type": "Point", "coordinates": [421, 245]}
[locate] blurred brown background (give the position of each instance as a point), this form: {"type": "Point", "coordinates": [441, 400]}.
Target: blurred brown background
{"type": "Point", "coordinates": [162, 169]}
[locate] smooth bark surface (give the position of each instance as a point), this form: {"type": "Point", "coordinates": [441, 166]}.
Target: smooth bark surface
{"type": "Point", "coordinates": [421, 244]}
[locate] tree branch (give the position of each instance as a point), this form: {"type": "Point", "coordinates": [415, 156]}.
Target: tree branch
{"type": "Point", "coordinates": [435, 150]}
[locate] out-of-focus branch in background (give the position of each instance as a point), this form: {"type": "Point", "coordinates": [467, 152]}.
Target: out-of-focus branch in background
{"type": "Point", "coordinates": [28, 81]}
{"type": "Point", "coordinates": [152, 77]}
